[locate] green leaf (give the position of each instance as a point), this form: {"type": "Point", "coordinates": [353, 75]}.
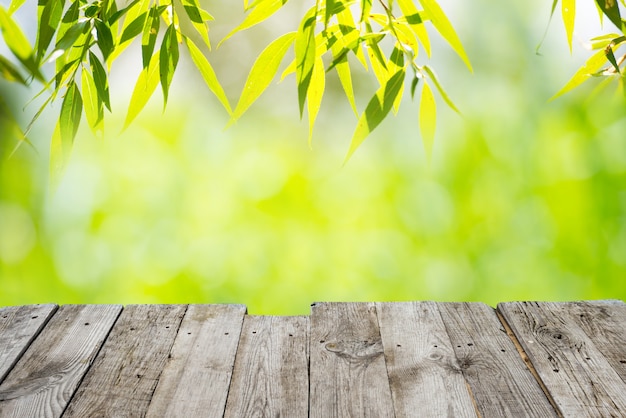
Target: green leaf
{"type": "Point", "coordinates": [15, 4]}
{"type": "Point", "coordinates": [69, 39]}
{"type": "Point", "coordinates": [608, 51]}
{"type": "Point", "coordinates": [70, 18]}
{"type": "Point", "coordinates": [261, 11]}
{"type": "Point", "coordinates": [194, 12]}
{"type": "Point", "coordinates": [208, 74]}
{"type": "Point", "coordinates": [48, 24]}
{"type": "Point", "coordinates": [17, 42]}
{"type": "Point", "coordinates": [168, 60]}
{"type": "Point", "coordinates": [428, 118]}
{"type": "Point", "coordinates": [568, 10]}
{"type": "Point", "coordinates": [604, 40]}
{"type": "Point", "coordinates": [442, 92]}
{"type": "Point", "coordinates": [366, 7]}
{"type": "Point", "coordinates": [444, 27]}
{"type": "Point", "coordinates": [9, 72]}
{"type": "Point", "coordinates": [315, 94]}
{"type": "Point", "coordinates": [376, 110]}
{"type": "Point", "coordinates": [416, 23]}
{"type": "Point", "coordinates": [105, 39]}
{"type": "Point", "coordinates": [71, 110]}
{"type": "Point", "coordinates": [305, 55]}
{"type": "Point", "coordinates": [150, 32]}
{"type": "Point", "coordinates": [592, 65]}
{"type": "Point", "coordinates": [611, 9]}
{"type": "Point", "coordinates": [343, 71]}
{"type": "Point", "coordinates": [262, 72]}
{"type": "Point", "coordinates": [93, 105]}
{"type": "Point", "coordinates": [134, 28]}
{"type": "Point", "coordinates": [146, 84]}
{"type": "Point", "coordinates": [100, 80]}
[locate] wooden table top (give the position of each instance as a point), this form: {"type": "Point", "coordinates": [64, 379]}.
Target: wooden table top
{"type": "Point", "coordinates": [404, 359]}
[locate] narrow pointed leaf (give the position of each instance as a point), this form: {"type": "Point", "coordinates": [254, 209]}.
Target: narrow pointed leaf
{"type": "Point", "coordinates": [261, 11]}
{"type": "Point", "coordinates": [414, 20]}
{"type": "Point", "coordinates": [305, 56]}
{"type": "Point", "coordinates": [94, 112]}
{"type": "Point", "coordinates": [608, 51]}
{"type": "Point", "coordinates": [194, 13]}
{"type": "Point", "coordinates": [611, 9]}
{"type": "Point", "coordinates": [150, 32]}
{"type": "Point", "coordinates": [568, 10]}
{"type": "Point", "coordinates": [70, 18]}
{"type": "Point", "coordinates": [17, 41]}
{"type": "Point", "coordinates": [316, 92]}
{"type": "Point", "coordinates": [100, 80]}
{"type": "Point", "coordinates": [15, 4]}
{"type": "Point", "coordinates": [263, 71]}
{"type": "Point", "coordinates": [444, 27]}
{"type": "Point", "coordinates": [427, 118]}
{"type": "Point", "coordinates": [203, 65]}
{"type": "Point", "coordinates": [48, 24]}
{"type": "Point", "coordinates": [71, 110]}
{"type": "Point", "coordinates": [345, 77]}
{"type": "Point", "coordinates": [168, 60]}
{"type": "Point", "coordinates": [134, 28]}
{"type": "Point", "coordinates": [69, 39]}
{"type": "Point", "coordinates": [146, 84]}
{"type": "Point", "coordinates": [433, 77]}
{"type": "Point", "coordinates": [592, 65]}
{"type": "Point", "coordinates": [105, 39]}
{"type": "Point", "coordinates": [366, 6]}
{"type": "Point", "coordinates": [376, 110]}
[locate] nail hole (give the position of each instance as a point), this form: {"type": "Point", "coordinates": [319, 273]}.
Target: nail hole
{"type": "Point", "coordinates": [291, 335]}
{"type": "Point", "coordinates": [555, 370]}
{"type": "Point", "coordinates": [398, 345]}
{"type": "Point", "coordinates": [86, 323]}
{"type": "Point", "coordinates": [470, 344]}
{"type": "Point", "coordinates": [503, 350]}
{"type": "Point", "coordinates": [34, 317]}
{"type": "Point", "coordinates": [322, 341]}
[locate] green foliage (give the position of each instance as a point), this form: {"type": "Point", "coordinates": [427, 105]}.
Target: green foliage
{"type": "Point", "coordinates": [83, 38]}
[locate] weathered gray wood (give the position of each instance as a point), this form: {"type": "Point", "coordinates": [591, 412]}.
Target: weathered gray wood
{"type": "Point", "coordinates": [348, 376]}
{"type": "Point", "coordinates": [270, 378]}
{"type": "Point", "coordinates": [500, 382]}
{"type": "Point", "coordinates": [605, 324]}
{"type": "Point", "coordinates": [196, 378]}
{"type": "Point", "coordinates": [45, 378]}
{"type": "Point", "coordinates": [123, 377]}
{"type": "Point", "coordinates": [423, 372]}
{"type": "Point", "coordinates": [19, 325]}
{"type": "Point", "coordinates": [576, 374]}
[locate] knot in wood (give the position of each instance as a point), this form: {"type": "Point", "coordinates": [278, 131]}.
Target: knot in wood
{"type": "Point", "coordinates": [356, 350]}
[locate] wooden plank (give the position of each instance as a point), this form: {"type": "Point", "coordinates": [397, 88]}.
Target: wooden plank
{"type": "Point", "coordinates": [270, 378]}
{"type": "Point", "coordinates": [19, 325]}
{"type": "Point", "coordinates": [45, 378]}
{"type": "Point", "coordinates": [500, 382]}
{"type": "Point", "coordinates": [196, 378]}
{"type": "Point", "coordinates": [348, 376]}
{"type": "Point", "coordinates": [125, 374]}
{"type": "Point", "coordinates": [573, 370]}
{"type": "Point", "coordinates": [423, 372]}
{"type": "Point", "coordinates": [605, 324]}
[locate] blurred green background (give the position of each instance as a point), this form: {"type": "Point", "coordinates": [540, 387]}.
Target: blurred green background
{"type": "Point", "coordinates": [521, 199]}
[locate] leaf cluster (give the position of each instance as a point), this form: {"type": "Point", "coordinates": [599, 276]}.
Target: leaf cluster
{"type": "Point", "coordinates": [82, 39]}
{"type": "Point", "coordinates": [607, 62]}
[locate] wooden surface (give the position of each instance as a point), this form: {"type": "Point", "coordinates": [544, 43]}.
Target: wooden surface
{"type": "Point", "coordinates": [406, 359]}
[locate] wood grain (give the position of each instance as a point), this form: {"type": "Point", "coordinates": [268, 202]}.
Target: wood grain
{"type": "Point", "coordinates": [45, 378]}
{"type": "Point", "coordinates": [270, 378]}
{"type": "Point", "coordinates": [197, 376]}
{"type": "Point", "coordinates": [424, 374]}
{"type": "Point", "coordinates": [575, 372]}
{"type": "Point", "coordinates": [19, 325]}
{"type": "Point", "coordinates": [500, 382]}
{"type": "Point", "coordinates": [125, 374]}
{"type": "Point", "coordinates": [348, 376]}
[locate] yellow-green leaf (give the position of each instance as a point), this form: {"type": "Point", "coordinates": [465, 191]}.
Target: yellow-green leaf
{"type": "Point", "coordinates": [305, 55]}
{"type": "Point", "coordinates": [315, 94]}
{"type": "Point", "coordinates": [442, 92]}
{"type": "Point", "coordinates": [150, 32]}
{"type": "Point", "coordinates": [427, 118]}
{"type": "Point", "coordinates": [71, 110]}
{"type": "Point", "coordinates": [414, 20]}
{"type": "Point", "coordinates": [15, 4]}
{"type": "Point", "coordinates": [168, 60]}
{"type": "Point", "coordinates": [262, 72]}
{"type": "Point", "coordinates": [203, 65]}
{"type": "Point", "coordinates": [444, 27]}
{"type": "Point", "coordinates": [593, 64]}
{"type": "Point", "coordinates": [261, 11]}
{"type": "Point", "coordinates": [195, 14]}
{"type": "Point", "coordinates": [343, 71]}
{"type": "Point", "coordinates": [8, 71]}
{"type": "Point", "coordinates": [14, 37]}
{"type": "Point", "coordinates": [94, 111]}
{"type": "Point", "coordinates": [568, 10]}
{"type": "Point", "coordinates": [146, 84]}
{"type": "Point", "coordinates": [376, 110]}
